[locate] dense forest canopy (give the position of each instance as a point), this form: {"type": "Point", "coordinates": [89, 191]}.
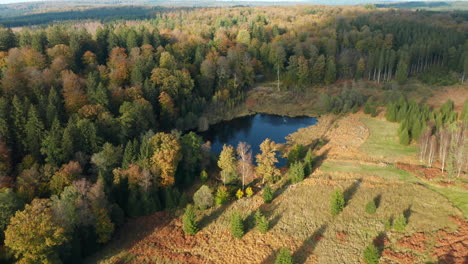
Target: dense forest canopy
{"type": "Point", "coordinates": [86, 109]}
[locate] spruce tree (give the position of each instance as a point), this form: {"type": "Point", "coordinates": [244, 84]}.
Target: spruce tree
{"type": "Point", "coordinates": [400, 223]}
{"type": "Point", "coordinates": [267, 194]}
{"type": "Point", "coordinates": [33, 129]}
{"type": "Point", "coordinates": [404, 137]}
{"type": "Point", "coordinates": [337, 202]}
{"type": "Point", "coordinates": [371, 254]}
{"type": "Point", "coordinates": [237, 225]}
{"type": "Point", "coordinates": [296, 172]}
{"type": "Point", "coordinates": [308, 163]}
{"type": "Point", "coordinates": [330, 75]}
{"type": "Point", "coordinates": [189, 221]}
{"type": "Point", "coordinates": [284, 257]}
{"type": "Point", "coordinates": [261, 222]}
{"type": "Point", "coordinates": [52, 145]}
{"type": "Point", "coordinates": [371, 208]}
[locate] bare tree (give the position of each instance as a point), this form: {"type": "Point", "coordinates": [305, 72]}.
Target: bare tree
{"type": "Point", "coordinates": [424, 140]}
{"type": "Point", "coordinates": [432, 150]}
{"type": "Point", "coordinates": [459, 149]}
{"type": "Point", "coordinates": [244, 162]}
{"type": "Point", "coordinates": [444, 146]}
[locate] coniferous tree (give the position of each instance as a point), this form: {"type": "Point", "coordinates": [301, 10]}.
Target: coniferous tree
{"type": "Point", "coordinates": [309, 163]}
{"type": "Point", "coordinates": [237, 225]}
{"type": "Point", "coordinates": [284, 257]}
{"type": "Point", "coordinates": [337, 202]}
{"type": "Point", "coordinates": [261, 222]}
{"type": "Point", "coordinates": [52, 145]}
{"type": "Point", "coordinates": [32, 129]}
{"type": "Point", "coordinates": [267, 194]}
{"type": "Point", "coordinates": [371, 254]}
{"type": "Point", "coordinates": [330, 74]}
{"type": "Point", "coordinates": [296, 172]}
{"type": "Point", "coordinates": [371, 208]}
{"type": "Point", "coordinates": [189, 221]}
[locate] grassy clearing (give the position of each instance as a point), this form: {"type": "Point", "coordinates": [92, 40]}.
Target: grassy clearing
{"type": "Point", "coordinates": [455, 195]}
{"type": "Point", "coordinates": [384, 171]}
{"type": "Point", "coordinates": [383, 140]}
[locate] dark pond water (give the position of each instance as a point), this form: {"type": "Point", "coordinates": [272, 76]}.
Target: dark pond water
{"type": "Point", "coordinates": [253, 130]}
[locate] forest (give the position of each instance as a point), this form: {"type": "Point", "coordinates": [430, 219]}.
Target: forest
{"type": "Point", "coordinates": [98, 120]}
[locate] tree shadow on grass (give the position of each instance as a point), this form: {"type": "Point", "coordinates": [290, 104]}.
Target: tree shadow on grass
{"type": "Point", "coordinates": [407, 213]}
{"type": "Point", "coordinates": [378, 200]}
{"type": "Point", "coordinates": [308, 246]}
{"type": "Point", "coordinates": [208, 219]}
{"type": "Point", "coordinates": [271, 258]}
{"type": "Point", "coordinates": [351, 190]}
{"type": "Point", "coordinates": [320, 159]}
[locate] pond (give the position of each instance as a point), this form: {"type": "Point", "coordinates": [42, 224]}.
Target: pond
{"type": "Point", "coordinates": [254, 129]}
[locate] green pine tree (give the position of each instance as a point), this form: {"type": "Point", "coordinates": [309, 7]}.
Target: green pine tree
{"type": "Point", "coordinates": [189, 221]}
{"type": "Point", "coordinates": [296, 172]}
{"type": "Point", "coordinates": [284, 257]}
{"type": "Point", "coordinates": [237, 225]}
{"type": "Point", "coordinates": [371, 208]}
{"type": "Point", "coordinates": [405, 137]}
{"type": "Point", "coordinates": [400, 223]}
{"type": "Point", "coordinates": [337, 202]}
{"type": "Point", "coordinates": [52, 145]}
{"type": "Point", "coordinates": [330, 74]}
{"type": "Point", "coordinates": [33, 129]}
{"type": "Point", "coordinates": [309, 163]}
{"type": "Point", "coordinates": [371, 254]}
{"type": "Point", "coordinates": [261, 222]}
{"type": "Point", "coordinates": [267, 194]}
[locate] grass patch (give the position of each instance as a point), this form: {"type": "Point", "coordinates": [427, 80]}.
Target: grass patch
{"type": "Point", "coordinates": [387, 172]}
{"type": "Point", "coordinates": [383, 140]}
{"type": "Point", "coordinates": [455, 195]}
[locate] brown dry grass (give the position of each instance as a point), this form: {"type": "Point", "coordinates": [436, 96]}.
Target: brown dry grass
{"type": "Point", "coordinates": [457, 93]}
{"type": "Point", "coordinates": [300, 214]}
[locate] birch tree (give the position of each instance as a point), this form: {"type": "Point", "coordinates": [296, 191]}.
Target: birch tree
{"type": "Point", "coordinates": [244, 162]}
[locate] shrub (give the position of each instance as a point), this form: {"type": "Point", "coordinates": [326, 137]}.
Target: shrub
{"type": "Point", "coordinates": [190, 223]}
{"type": "Point", "coordinates": [400, 223]}
{"type": "Point", "coordinates": [404, 137]}
{"type": "Point", "coordinates": [249, 192]}
{"type": "Point", "coordinates": [371, 254]}
{"type": "Point", "coordinates": [284, 257]}
{"type": "Point", "coordinates": [222, 195]}
{"type": "Point", "coordinates": [239, 194]}
{"type": "Point", "coordinates": [308, 163]}
{"type": "Point", "coordinates": [267, 194]}
{"type": "Point", "coordinates": [261, 222]}
{"type": "Point", "coordinates": [204, 176]}
{"type": "Point", "coordinates": [337, 202]}
{"type": "Point", "coordinates": [237, 225]}
{"type": "Point", "coordinates": [203, 198]}
{"type": "Point", "coordinates": [296, 172]}
{"type": "Point", "coordinates": [388, 224]}
{"type": "Point", "coordinates": [296, 154]}
{"type": "Point", "coordinates": [371, 208]}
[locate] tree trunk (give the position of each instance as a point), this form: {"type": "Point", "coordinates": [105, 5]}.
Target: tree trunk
{"type": "Point", "coordinates": [278, 74]}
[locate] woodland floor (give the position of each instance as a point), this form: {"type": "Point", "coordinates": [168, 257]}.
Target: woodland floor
{"type": "Point", "coordinates": [362, 156]}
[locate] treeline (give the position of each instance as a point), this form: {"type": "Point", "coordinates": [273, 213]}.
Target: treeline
{"type": "Point", "coordinates": [104, 14]}
{"type": "Point", "coordinates": [441, 134]}
{"type": "Point", "coordinates": [85, 113]}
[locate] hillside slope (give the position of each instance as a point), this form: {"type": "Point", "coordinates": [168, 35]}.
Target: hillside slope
{"type": "Point", "coordinates": [361, 157]}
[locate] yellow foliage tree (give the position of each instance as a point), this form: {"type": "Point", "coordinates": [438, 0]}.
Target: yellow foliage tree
{"type": "Point", "coordinates": [104, 225]}
{"type": "Point", "coordinates": [227, 163]}
{"type": "Point", "coordinates": [266, 160]}
{"type": "Point", "coordinates": [166, 155]}
{"type": "Point", "coordinates": [34, 235]}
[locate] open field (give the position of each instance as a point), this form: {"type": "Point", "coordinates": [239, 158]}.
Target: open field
{"type": "Point", "coordinates": [360, 157]}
